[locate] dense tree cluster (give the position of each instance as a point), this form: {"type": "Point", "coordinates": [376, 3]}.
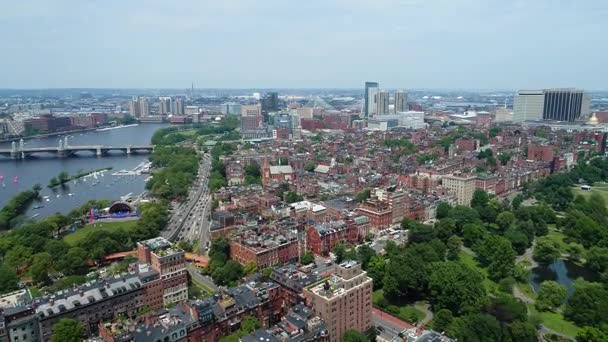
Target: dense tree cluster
{"type": "Point", "coordinates": [16, 207]}
{"type": "Point", "coordinates": [222, 269]}
{"type": "Point", "coordinates": [252, 174]}
{"type": "Point", "coordinates": [177, 168]}
{"type": "Point", "coordinates": [217, 178]}
{"type": "Point", "coordinates": [35, 249]}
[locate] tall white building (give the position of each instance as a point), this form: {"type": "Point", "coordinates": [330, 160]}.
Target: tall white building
{"type": "Point", "coordinates": [382, 101]}
{"type": "Point", "coordinates": [400, 101]}
{"type": "Point", "coordinates": [144, 108]}
{"type": "Point", "coordinates": [165, 105]}
{"type": "Point", "coordinates": [372, 102]}
{"type": "Point", "coordinates": [528, 105]}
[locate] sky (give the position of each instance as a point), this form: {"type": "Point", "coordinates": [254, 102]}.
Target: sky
{"type": "Point", "coordinates": [409, 44]}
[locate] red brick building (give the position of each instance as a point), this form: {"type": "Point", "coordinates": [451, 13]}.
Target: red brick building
{"type": "Point", "coordinates": [542, 153]}
{"type": "Point", "coordinates": [322, 238]}
{"type": "Point", "coordinates": [266, 248]}
{"type": "Point", "coordinates": [379, 213]}
{"type": "Point", "coordinates": [170, 263]}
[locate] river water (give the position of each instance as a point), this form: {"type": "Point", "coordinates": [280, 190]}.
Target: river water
{"type": "Point", "coordinates": [75, 193]}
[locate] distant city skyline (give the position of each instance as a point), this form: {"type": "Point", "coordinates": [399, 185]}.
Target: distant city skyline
{"type": "Point", "coordinates": [409, 44]}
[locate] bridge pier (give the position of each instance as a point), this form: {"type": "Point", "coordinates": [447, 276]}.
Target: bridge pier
{"type": "Point", "coordinates": [128, 149]}
{"type": "Point", "coordinates": [98, 151]}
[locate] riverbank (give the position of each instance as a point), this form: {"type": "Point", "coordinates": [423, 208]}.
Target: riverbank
{"type": "Point", "coordinates": [57, 181]}
{"type": "Point", "coordinates": [47, 135]}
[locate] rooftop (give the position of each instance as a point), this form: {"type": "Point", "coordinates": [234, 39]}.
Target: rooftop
{"type": "Point", "coordinates": [90, 293]}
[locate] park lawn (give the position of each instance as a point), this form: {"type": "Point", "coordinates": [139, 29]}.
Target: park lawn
{"type": "Point", "coordinates": [599, 188]}
{"type": "Point", "coordinates": [558, 237]}
{"type": "Point", "coordinates": [526, 289]}
{"type": "Point", "coordinates": [77, 236]}
{"type": "Point", "coordinates": [555, 321]}
{"type": "Point", "coordinates": [469, 260]}
{"type": "Point", "coordinates": [407, 312]}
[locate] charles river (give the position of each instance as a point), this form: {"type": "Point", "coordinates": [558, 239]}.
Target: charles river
{"type": "Point", "coordinates": [20, 175]}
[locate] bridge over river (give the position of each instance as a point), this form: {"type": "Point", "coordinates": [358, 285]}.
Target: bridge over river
{"type": "Point", "coordinates": [64, 150]}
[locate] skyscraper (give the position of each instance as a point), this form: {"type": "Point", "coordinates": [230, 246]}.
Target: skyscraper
{"type": "Point", "coordinates": [165, 105]}
{"type": "Point", "coordinates": [400, 101]}
{"type": "Point", "coordinates": [550, 104]}
{"type": "Point", "coordinates": [144, 109]}
{"type": "Point", "coordinates": [178, 106]}
{"type": "Point", "coordinates": [134, 107]}
{"type": "Point", "coordinates": [382, 101]}
{"type": "Point", "coordinates": [564, 104]}
{"type": "Point", "coordinates": [270, 103]}
{"type": "Point", "coordinates": [528, 105]}
{"type": "Point", "coordinates": [371, 88]}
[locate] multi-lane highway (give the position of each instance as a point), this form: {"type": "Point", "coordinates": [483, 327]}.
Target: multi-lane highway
{"type": "Point", "coordinates": [190, 219]}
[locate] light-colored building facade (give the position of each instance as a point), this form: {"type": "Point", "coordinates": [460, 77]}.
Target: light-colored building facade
{"type": "Point", "coordinates": [528, 105]}
{"type": "Point", "coordinates": [344, 300]}
{"type": "Point", "coordinates": [462, 187]}
{"type": "Point", "coordinates": [382, 101]}
{"type": "Point", "coordinates": [369, 105]}
{"type": "Point", "coordinates": [400, 101]}
{"type": "Point", "coordinates": [164, 106]}
{"type": "Point", "coordinates": [144, 107]}
{"type": "Point", "coordinates": [170, 263]}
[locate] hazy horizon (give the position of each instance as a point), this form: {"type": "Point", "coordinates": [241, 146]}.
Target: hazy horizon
{"type": "Point", "coordinates": [340, 44]}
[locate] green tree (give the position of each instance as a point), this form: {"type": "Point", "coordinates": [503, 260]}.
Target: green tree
{"type": "Point", "coordinates": [591, 334]}
{"type": "Point", "coordinates": [517, 201]}
{"type": "Point", "coordinates": [364, 255]}
{"type": "Point", "coordinates": [476, 327]}
{"type": "Point", "coordinates": [37, 187]}
{"type": "Point", "coordinates": [39, 270]}
{"type": "Point", "coordinates": [310, 166]}
{"type": "Point", "coordinates": [307, 258]}
{"type": "Point", "coordinates": [588, 305]}
{"type": "Point", "coordinates": [550, 296]}
{"type": "Point", "coordinates": [497, 254]}
{"type": "Point", "coordinates": [453, 245]}
{"type": "Point", "coordinates": [363, 195]}
{"type": "Point", "coordinates": [442, 320]}
{"type": "Point", "coordinates": [575, 251]}
{"type": "Point", "coordinates": [339, 252]}
{"type": "Point", "coordinates": [521, 331]}
{"type": "Point", "coordinates": [354, 336]}
{"type": "Point", "coordinates": [292, 197]}
{"type": "Point", "coordinates": [250, 324]}
{"type": "Point", "coordinates": [504, 220]}
{"type": "Point", "coordinates": [597, 259]}
{"type": "Point", "coordinates": [8, 279]}
{"type": "Point", "coordinates": [376, 270]}
{"type": "Point", "coordinates": [507, 308]}
{"type": "Point", "coordinates": [480, 198]}
{"type": "Point", "coordinates": [443, 210]}
{"type": "Point", "coordinates": [456, 287]}
{"type": "Point", "coordinates": [18, 257]}
{"type": "Point", "coordinates": [473, 233]}
{"type": "Point", "coordinates": [445, 228]}
{"type": "Point", "coordinates": [546, 250]}
{"type": "Point", "coordinates": [74, 262]}
{"type": "Point", "coordinates": [68, 330]}
{"type": "Point", "coordinates": [250, 268]}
